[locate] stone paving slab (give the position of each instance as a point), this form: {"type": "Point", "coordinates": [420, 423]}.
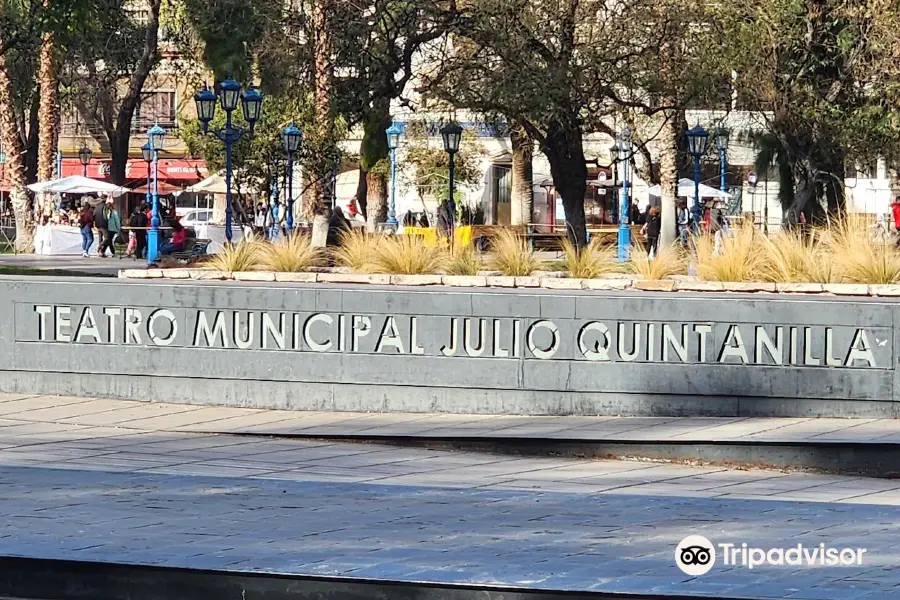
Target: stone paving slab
{"type": "Point", "coordinates": [229, 502]}
{"type": "Point", "coordinates": [147, 416]}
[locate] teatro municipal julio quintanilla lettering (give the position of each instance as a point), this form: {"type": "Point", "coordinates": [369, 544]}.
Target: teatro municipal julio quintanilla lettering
{"type": "Point", "coordinates": [473, 337]}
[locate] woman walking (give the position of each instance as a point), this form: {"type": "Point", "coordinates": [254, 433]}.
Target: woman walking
{"type": "Point", "coordinates": [86, 224]}
{"type": "Point", "coordinates": [651, 229]}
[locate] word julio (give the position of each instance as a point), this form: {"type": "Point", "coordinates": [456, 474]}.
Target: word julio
{"type": "Point", "coordinates": [597, 341]}
{"type": "Point", "coordinates": [795, 556]}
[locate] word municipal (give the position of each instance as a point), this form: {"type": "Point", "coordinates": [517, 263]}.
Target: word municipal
{"type": "Point", "coordinates": [473, 337]}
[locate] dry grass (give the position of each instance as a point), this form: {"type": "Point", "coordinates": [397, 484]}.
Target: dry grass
{"type": "Point", "coordinates": [858, 256]}
{"type": "Point", "coordinates": [243, 256]}
{"type": "Point", "coordinates": [293, 254]}
{"type": "Point", "coordinates": [406, 255]}
{"type": "Point", "coordinates": [790, 258]}
{"type": "Point", "coordinates": [590, 262]}
{"type": "Point", "coordinates": [357, 250]}
{"type": "Point", "coordinates": [511, 255]}
{"type": "Point", "coordinates": [463, 260]}
{"type": "Point", "coordinates": [669, 260]}
{"type": "Point", "coordinates": [742, 256]}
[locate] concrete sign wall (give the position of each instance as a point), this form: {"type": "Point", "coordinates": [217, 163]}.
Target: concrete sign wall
{"type": "Point", "coordinates": [439, 349]}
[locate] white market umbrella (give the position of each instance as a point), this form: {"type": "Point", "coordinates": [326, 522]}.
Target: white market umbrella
{"type": "Point", "coordinates": [77, 184]}
{"type": "Point", "coordinates": [215, 184]}
{"type": "Point", "coordinates": [686, 190]}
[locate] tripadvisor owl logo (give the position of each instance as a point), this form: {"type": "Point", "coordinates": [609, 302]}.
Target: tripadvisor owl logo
{"type": "Point", "coordinates": [695, 555]}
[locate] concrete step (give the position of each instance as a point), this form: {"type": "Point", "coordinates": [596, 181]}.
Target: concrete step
{"type": "Point", "coordinates": [869, 447]}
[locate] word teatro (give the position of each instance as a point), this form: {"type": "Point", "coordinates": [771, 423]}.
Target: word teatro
{"type": "Point", "coordinates": [473, 337]}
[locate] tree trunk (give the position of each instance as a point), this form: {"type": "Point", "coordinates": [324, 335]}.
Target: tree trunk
{"type": "Point", "coordinates": [565, 153]}
{"type": "Point", "coordinates": [522, 177]}
{"type": "Point", "coordinates": [15, 168]}
{"type": "Point", "coordinates": [120, 136]}
{"type": "Point", "coordinates": [118, 145]}
{"type": "Point", "coordinates": [322, 119]}
{"type": "Point", "coordinates": [374, 148]}
{"type": "Point", "coordinates": [47, 124]}
{"type": "Point", "coordinates": [378, 200]}
{"type": "Point", "coordinates": [362, 191]}
{"type": "Point", "coordinates": [31, 143]}
{"type": "Point", "coordinates": [668, 177]}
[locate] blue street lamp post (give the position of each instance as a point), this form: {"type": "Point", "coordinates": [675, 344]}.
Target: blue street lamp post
{"type": "Point", "coordinates": [147, 154]}
{"type": "Point", "coordinates": [623, 144]}
{"type": "Point", "coordinates": [393, 137]}
{"type": "Point", "coordinates": [155, 138]}
{"type": "Point", "coordinates": [722, 144]}
{"type": "Point", "coordinates": [229, 94]}
{"type": "Point", "coordinates": [698, 140]}
{"type": "Point", "coordinates": [292, 138]}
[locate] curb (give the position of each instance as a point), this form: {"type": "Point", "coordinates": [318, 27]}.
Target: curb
{"type": "Point", "coordinates": [549, 281]}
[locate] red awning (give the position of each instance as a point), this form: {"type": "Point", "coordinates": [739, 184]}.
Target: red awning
{"type": "Point", "coordinates": [184, 171]}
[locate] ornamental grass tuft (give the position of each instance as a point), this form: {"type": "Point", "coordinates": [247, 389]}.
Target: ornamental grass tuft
{"type": "Point", "coordinates": [589, 262]}
{"type": "Point", "coordinates": [245, 255]}
{"type": "Point", "coordinates": [668, 261]}
{"type": "Point", "coordinates": [293, 254]}
{"type": "Point", "coordinates": [406, 255]}
{"type": "Point", "coordinates": [462, 260]}
{"type": "Point", "coordinates": [357, 250]}
{"type": "Point", "coordinates": [511, 255]}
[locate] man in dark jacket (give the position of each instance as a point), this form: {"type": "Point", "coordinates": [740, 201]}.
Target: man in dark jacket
{"type": "Point", "coordinates": [101, 222]}
{"type": "Point", "coordinates": [138, 223]}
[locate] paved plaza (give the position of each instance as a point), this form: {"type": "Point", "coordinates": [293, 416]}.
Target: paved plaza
{"type": "Point", "coordinates": [100, 480]}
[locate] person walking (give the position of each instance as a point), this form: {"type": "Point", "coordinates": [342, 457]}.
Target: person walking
{"type": "Point", "coordinates": [651, 229]}
{"type": "Point", "coordinates": [101, 223]}
{"type": "Point", "coordinates": [259, 220]}
{"type": "Point", "coordinates": [138, 223]}
{"type": "Point", "coordinates": [86, 224]}
{"type": "Point", "coordinates": [683, 218]}
{"type": "Point", "coordinates": [113, 225]}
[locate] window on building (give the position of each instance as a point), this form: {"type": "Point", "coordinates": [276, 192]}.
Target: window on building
{"type": "Point", "coordinates": [156, 107]}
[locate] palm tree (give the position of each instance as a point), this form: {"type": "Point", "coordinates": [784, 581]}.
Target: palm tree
{"type": "Point", "coordinates": [48, 115]}
{"type": "Point", "coordinates": [522, 176]}
{"type": "Point", "coordinates": [771, 152]}
{"type": "Point", "coordinates": [15, 152]}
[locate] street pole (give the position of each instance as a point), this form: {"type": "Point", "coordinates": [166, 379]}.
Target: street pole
{"type": "Point", "coordinates": [696, 194]}
{"type": "Point", "coordinates": [723, 158]}
{"type": "Point", "coordinates": [392, 206]}
{"type": "Point", "coordinates": [289, 219]}
{"type": "Point", "coordinates": [451, 203]}
{"type": "Point", "coordinates": [153, 236]}
{"type": "Point", "coordinates": [228, 142]}
{"type": "Point", "coordinates": [624, 218]}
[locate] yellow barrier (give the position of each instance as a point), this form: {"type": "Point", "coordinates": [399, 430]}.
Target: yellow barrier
{"type": "Point", "coordinates": [462, 235]}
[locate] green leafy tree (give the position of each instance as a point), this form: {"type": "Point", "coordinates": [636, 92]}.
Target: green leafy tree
{"type": "Point", "coordinates": [561, 71]}
{"type": "Point", "coordinates": [825, 71]}
{"type": "Point", "coordinates": [109, 58]}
